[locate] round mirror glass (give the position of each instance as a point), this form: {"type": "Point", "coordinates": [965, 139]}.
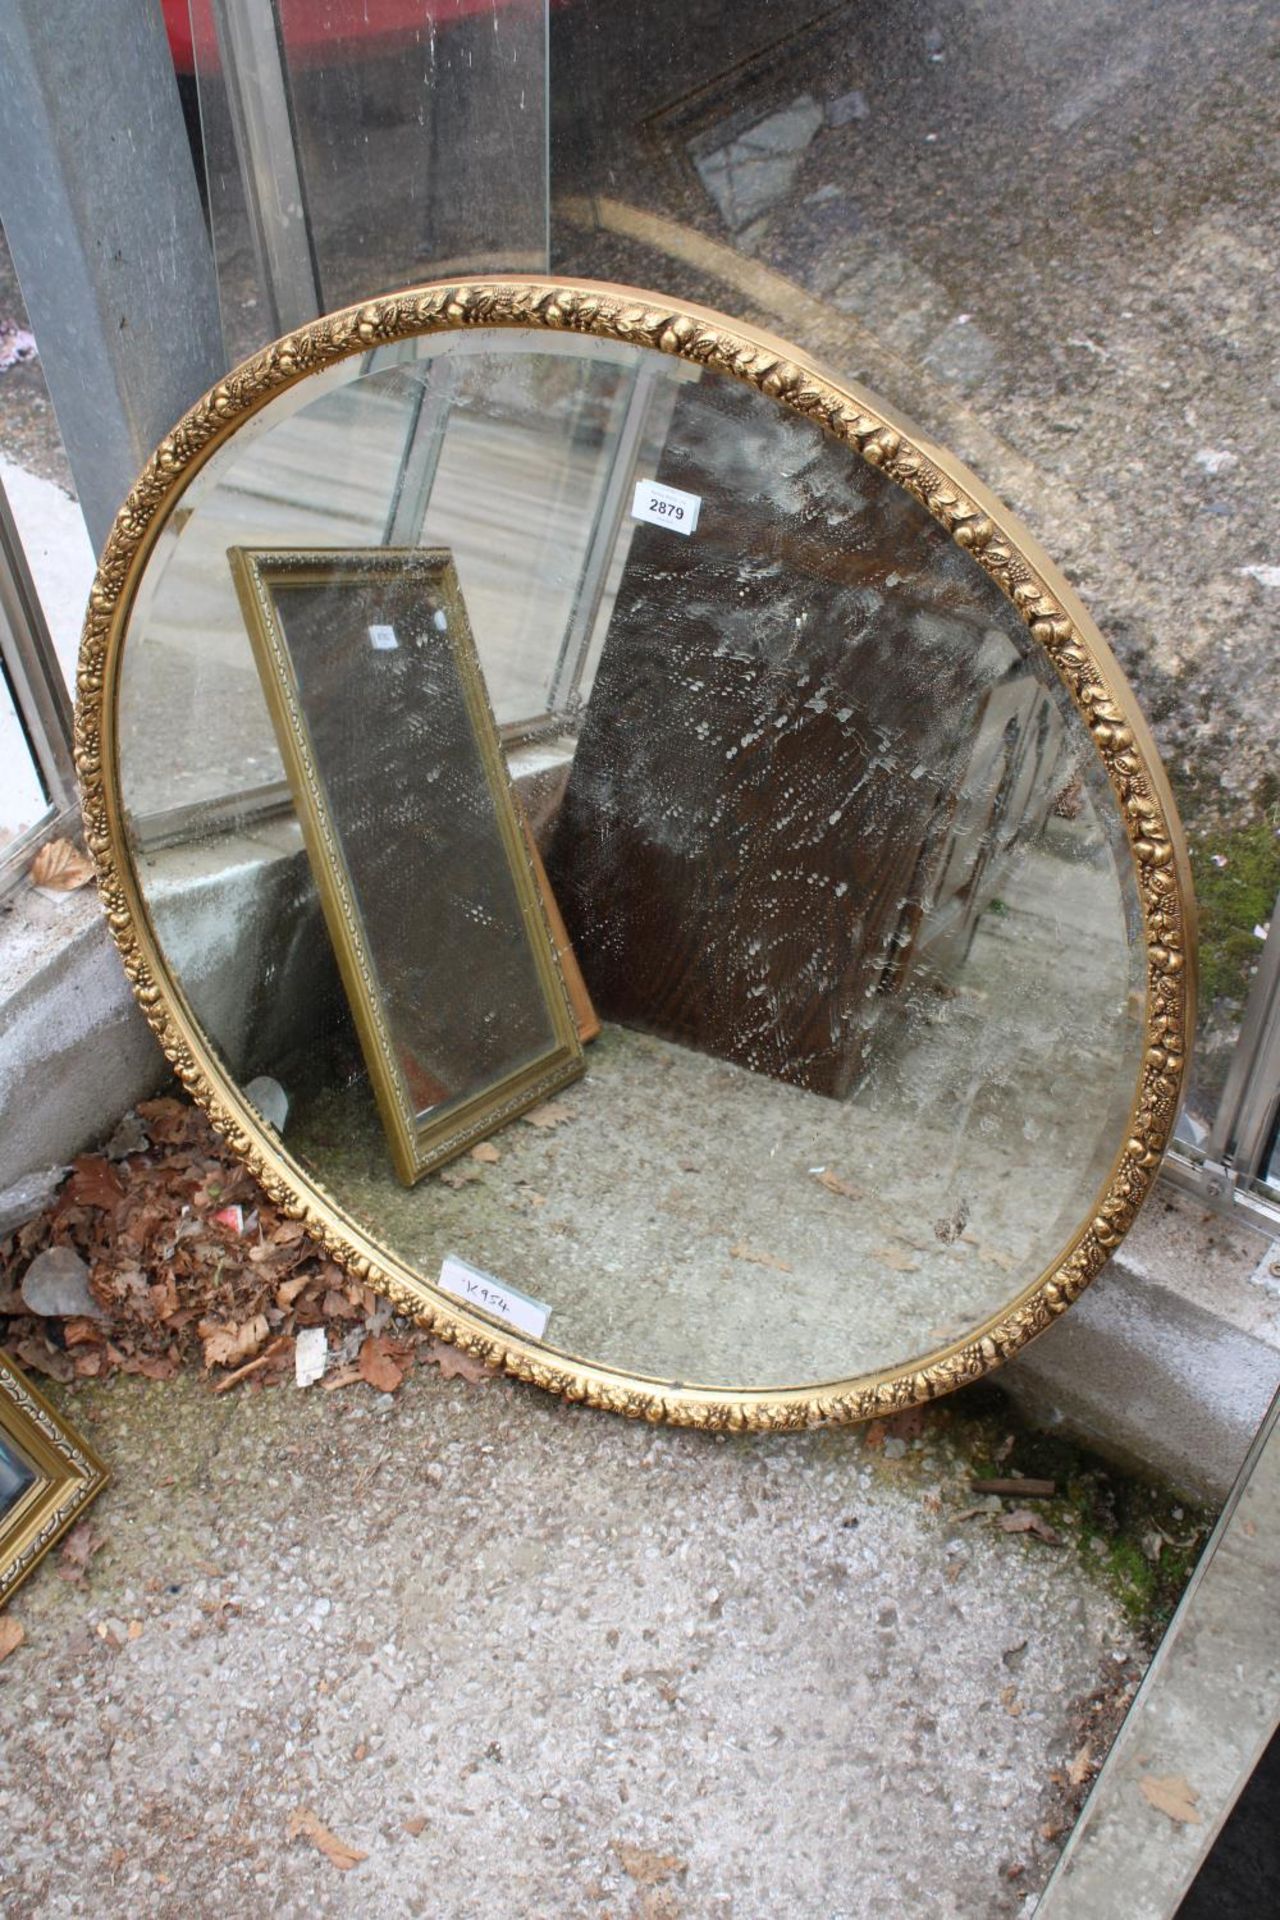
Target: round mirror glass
{"type": "Point", "coordinates": [418, 637]}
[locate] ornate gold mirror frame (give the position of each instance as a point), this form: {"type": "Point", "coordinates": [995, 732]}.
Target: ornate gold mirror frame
{"type": "Point", "coordinates": [1057, 624]}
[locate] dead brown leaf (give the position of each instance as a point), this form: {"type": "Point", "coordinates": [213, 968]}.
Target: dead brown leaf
{"type": "Point", "coordinates": [552, 1113]}
{"type": "Point", "coordinates": [456, 1364]}
{"type": "Point", "coordinates": [377, 1365]}
{"type": "Point", "coordinates": [303, 1823]}
{"type": "Point", "coordinates": [658, 1903]}
{"type": "Point", "coordinates": [644, 1866]}
{"type": "Point", "coordinates": [757, 1259]}
{"type": "Point", "coordinates": [156, 1366]}
{"type": "Point", "coordinates": [834, 1184]}
{"type": "Point", "coordinates": [486, 1153]}
{"type": "Point", "coordinates": [460, 1174]}
{"type": "Point", "coordinates": [1022, 1520]}
{"type": "Point", "coordinates": [82, 1333]}
{"type": "Point", "coordinates": [12, 1635]}
{"type": "Point", "coordinates": [35, 1352]}
{"type": "Point", "coordinates": [276, 1354]}
{"type": "Point", "coordinates": [164, 1298]}
{"type": "Point", "coordinates": [1172, 1796]}
{"type": "Point", "coordinates": [338, 1305]}
{"type": "Point", "coordinates": [76, 1552]}
{"type": "Point", "coordinates": [897, 1258]}
{"type": "Point", "coordinates": [1079, 1769]}
{"type": "Point", "coordinates": [61, 867]}
{"type": "Point", "coordinates": [94, 1182]}
{"type": "Point", "coordinates": [416, 1824]}
{"type": "Point", "coordinates": [228, 1346]}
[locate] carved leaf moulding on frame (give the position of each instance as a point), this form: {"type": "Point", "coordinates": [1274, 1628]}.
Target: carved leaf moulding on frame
{"type": "Point", "coordinates": [974, 520]}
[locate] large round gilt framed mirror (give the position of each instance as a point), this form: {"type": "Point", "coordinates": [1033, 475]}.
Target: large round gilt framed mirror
{"type": "Point", "coordinates": [492, 662]}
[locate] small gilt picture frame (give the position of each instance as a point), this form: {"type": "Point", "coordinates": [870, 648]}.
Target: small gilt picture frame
{"type": "Point", "coordinates": [48, 1476]}
{"type": "Point", "coordinates": [424, 870]}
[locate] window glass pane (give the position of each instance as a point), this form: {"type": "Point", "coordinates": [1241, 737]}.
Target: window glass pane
{"type": "Point", "coordinates": [23, 801]}
{"type": "Point", "coordinates": [511, 452]}
{"type": "Point", "coordinates": [36, 476]}
{"type": "Point", "coordinates": [1045, 233]}
{"type": "Point", "coordinates": [420, 133]}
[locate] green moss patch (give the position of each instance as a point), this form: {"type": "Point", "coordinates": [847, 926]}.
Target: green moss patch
{"type": "Point", "coordinates": [1237, 878]}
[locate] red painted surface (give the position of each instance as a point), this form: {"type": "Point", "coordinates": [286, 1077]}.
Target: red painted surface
{"type": "Point", "coordinates": [346, 29]}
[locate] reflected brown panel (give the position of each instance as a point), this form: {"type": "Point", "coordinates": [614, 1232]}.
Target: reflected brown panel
{"type": "Point", "coordinates": [420, 857]}
{"type": "Point", "coordinates": [767, 772]}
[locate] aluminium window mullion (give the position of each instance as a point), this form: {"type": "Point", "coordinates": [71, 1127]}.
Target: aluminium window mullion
{"type": "Point", "coordinates": [1246, 1110]}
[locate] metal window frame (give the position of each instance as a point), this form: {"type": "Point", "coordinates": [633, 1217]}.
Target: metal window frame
{"type": "Point", "coordinates": [255, 74]}
{"type": "Point", "coordinates": [1227, 1173]}
{"type": "Point", "coordinates": [40, 697]}
{"type": "Point", "coordinates": [1208, 1705]}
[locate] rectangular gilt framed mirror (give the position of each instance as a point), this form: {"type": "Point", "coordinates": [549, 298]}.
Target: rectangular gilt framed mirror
{"type": "Point", "coordinates": [424, 870]}
{"type": "Point", "coordinates": [48, 1476]}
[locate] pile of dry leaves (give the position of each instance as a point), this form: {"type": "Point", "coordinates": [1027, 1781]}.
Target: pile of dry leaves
{"type": "Point", "coordinates": [161, 1251]}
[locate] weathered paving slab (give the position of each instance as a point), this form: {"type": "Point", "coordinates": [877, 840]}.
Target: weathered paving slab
{"type": "Point", "coordinates": [507, 1649]}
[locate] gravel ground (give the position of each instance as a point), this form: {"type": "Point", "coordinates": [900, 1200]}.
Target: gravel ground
{"type": "Point", "coordinates": [530, 1659]}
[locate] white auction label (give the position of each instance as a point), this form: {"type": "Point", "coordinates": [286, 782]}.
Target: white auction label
{"type": "Point", "coordinates": [666, 506]}
{"type": "Point", "coordinates": [480, 1289]}
{"type": "Point", "coordinates": [383, 638]}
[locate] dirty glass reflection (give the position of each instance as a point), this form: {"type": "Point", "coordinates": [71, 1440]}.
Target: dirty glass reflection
{"type": "Point", "coordinates": [840, 866]}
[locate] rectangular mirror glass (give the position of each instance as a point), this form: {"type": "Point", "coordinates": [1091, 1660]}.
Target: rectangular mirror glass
{"type": "Point", "coordinates": [423, 869]}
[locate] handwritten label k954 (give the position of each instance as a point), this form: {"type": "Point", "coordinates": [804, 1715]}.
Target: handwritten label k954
{"type": "Point", "coordinates": [479, 1289]}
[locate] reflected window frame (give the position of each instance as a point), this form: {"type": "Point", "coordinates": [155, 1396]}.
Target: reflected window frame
{"type": "Point", "coordinates": [33, 679]}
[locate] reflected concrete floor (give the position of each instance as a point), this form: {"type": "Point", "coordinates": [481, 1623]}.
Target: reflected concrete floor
{"type": "Point", "coordinates": [678, 1224]}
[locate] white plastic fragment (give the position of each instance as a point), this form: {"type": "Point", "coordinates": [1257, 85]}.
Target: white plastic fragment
{"type": "Point", "coordinates": [271, 1100]}
{"type": "Point", "coordinates": [310, 1355]}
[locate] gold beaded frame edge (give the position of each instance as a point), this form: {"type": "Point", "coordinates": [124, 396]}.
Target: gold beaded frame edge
{"type": "Point", "coordinates": [972, 516]}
